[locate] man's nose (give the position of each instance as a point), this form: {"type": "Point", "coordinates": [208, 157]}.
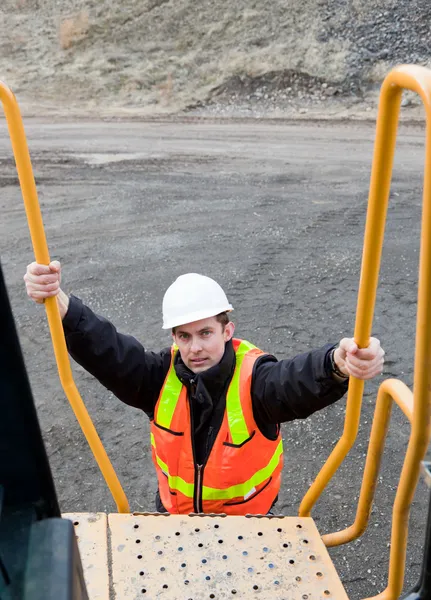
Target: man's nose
{"type": "Point", "coordinates": [196, 345]}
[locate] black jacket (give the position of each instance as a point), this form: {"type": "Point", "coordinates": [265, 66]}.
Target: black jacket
{"type": "Point", "coordinates": [281, 390]}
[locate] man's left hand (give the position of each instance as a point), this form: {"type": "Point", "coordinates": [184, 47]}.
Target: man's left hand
{"type": "Point", "coordinates": [363, 363]}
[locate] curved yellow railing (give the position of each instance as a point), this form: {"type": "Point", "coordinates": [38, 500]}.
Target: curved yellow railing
{"type": "Point", "coordinates": [390, 390]}
{"type": "Point", "coordinates": [417, 79]}
{"type": "Point", "coordinates": [40, 247]}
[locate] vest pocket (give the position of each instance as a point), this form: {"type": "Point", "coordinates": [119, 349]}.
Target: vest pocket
{"type": "Point", "coordinates": [168, 430]}
{"type": "Point", "coordinates": [250, 497]}
{"type": "Point", "coordinates": [242, 443]}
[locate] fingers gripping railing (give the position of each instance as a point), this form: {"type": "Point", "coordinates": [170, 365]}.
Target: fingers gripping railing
{"type": "Point", "coordinates": [417, 79]}
{"type": "Point", "coordinates": [40, 247]}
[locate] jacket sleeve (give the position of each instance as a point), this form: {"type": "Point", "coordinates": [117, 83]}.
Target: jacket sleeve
{"type": "Point", "coordinates": [118, 361]}
{"type": "Point", "coordinates": [294, 388]}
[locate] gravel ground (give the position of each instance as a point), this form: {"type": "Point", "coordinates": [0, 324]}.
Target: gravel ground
{"type": "Point", "coordinates": [275, 212]}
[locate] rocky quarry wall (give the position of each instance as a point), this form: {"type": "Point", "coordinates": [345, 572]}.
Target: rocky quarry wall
{"type": "Point", "coordinates": [208, 56]}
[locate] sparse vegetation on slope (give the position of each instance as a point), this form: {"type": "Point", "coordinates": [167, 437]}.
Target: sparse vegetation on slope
{"type": "Point", "coordinates": [167, 55]}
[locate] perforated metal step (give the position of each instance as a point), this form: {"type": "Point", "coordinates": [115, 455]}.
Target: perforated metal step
{"type": "Point", "coordinates": [203, 557]}
{"type": "Point", "coordinates": [92, 533]}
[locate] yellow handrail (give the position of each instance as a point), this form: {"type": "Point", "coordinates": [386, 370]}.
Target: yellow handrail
{"type": "Point", "coordinates": [417, 447]}
{"type": "Point", "coordinates": [417, 79]}
{"type": "Point", "coordinates": [41, 252]}
{"type": "Point", "coordinates": [389, 391]}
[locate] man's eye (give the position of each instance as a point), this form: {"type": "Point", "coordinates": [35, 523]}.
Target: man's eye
{"type": "Point", "coordinates": [206, 333]}
{"type": "Point", "coordinates": [184, 336]}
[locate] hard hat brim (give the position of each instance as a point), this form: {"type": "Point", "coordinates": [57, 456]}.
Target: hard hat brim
{"type": "Point", "coordinates": [196, 316]}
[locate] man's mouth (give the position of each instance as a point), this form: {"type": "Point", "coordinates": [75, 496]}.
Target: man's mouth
{"type": "Point", "coordinates": [198, 361]}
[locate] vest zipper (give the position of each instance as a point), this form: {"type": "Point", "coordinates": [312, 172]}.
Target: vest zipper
{"type": "Point", "coordinates": [198, 488]}
{"type": "Point", "coordinates": [199, 469]}
{"type": "Point", "coordinates": [198, 477]}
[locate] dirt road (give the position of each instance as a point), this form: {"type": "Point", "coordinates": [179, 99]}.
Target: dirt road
{"type": "Point", "coordinates": [274, 212]}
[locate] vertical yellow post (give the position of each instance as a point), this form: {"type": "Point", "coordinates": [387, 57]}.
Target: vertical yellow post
{"type": "Point", "coordinates": [417, 79]}
{"type": "Point", "coordinates": [373, 243]}
{"type": "Point", "coordinates": [37, 232]}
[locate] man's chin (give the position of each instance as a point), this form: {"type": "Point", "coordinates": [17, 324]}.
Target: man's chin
{"type": "Point", "coordinates": [199, 368]}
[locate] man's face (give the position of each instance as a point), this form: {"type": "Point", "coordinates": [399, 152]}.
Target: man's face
{"type": "Point", "coordinates": [201, 343]}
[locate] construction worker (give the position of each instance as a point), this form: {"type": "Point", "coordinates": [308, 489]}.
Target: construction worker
{"type": "Point", "coordinates": [215, 403]}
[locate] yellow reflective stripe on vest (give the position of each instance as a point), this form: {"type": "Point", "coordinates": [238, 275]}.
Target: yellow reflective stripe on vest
{"type": "Point", "coordinates": [168, 401]}
{"type": "Point", "coordinates": [242, 489]}
{"type": "Point", "coordinates": [237, 425]}
{"type": "Point", "coordinates": [175, 483]}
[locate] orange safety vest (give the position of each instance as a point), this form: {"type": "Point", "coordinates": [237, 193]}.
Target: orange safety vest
{"type": "Point", "coordinates": [243, 471]}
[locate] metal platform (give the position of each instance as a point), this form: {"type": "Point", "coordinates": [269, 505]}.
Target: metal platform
{"type": "Point", "coordinates": [175, 557]}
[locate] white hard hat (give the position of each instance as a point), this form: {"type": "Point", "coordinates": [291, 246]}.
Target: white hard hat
{"type": "Point", "coordinates": [193, 297]}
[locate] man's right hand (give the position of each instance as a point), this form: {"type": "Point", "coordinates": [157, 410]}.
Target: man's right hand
{"type": "Point", "coordinates": [43, 281]}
